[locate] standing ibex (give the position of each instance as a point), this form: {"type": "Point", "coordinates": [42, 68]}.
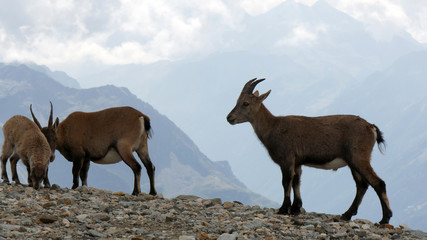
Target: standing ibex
{"type": "Point", "coordinates": [15, 130]}
{"type": "Point", "coordinates": [106, 137]}
{"type": "Point", "coordinates": [328, 142]}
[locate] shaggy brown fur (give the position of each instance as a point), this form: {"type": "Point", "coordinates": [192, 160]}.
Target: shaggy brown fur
{"type": "Point", "coordinates": [23, 139]}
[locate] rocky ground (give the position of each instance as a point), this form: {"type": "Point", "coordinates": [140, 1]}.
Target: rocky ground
{"type": "Point", "coordinates": [89, 213]}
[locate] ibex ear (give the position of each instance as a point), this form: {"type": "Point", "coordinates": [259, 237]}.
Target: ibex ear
{"type": "Point", "coordinates": [264, 96]}
{"type": "Point", "coordinates": [256, 93]}
{"type": "Point", "coordinates": [55, 125]}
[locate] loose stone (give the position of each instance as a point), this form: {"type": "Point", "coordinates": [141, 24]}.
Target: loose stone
{"type": "Point", "coordinates": [89, 213]}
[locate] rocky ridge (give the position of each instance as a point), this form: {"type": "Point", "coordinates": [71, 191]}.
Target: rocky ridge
{"type": "Point", "coordinates": [90, 213]}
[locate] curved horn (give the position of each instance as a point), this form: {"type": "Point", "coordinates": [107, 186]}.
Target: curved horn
{"type": "Point", "coordinates": [34, 117]}
{"type": "Point", "coordinates": [49, 125]}
{"type": "Point", "coordinates": [250, 86]}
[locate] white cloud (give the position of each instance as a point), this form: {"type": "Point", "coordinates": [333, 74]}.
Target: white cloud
{"type": "Point", "coordinates": [386, 17]}
{"type": "Point", "coordinates": [129, 31]}
{"type": "Point", "coordinates": [164, 30]}
{"type": "Point", "coordinates": [418, 28]}
{"type": "Point", "coordinates": [113, 32]}
{"type": "Point", "coordinates": [302, 34]}
{"type": "Point", "coordinates": [257, 7]}
{"type": "Point", "coordinates": [375, 11]}
{"type": "Point", "coordinates": [417, 13]}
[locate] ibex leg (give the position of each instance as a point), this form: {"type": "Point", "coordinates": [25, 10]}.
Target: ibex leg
{"type": "Point", "coordinates": [126, 154]}
{"type": "Point", "coordinates": [84, 172]}
{"type": "Point", "coordinates": [4, 176]}
{"type": "Point", "coordinates": [46, 181]}
{"type": "Point", "coordinates": [6, 151]}
{"type": "Point", "coordinates": [361, 186]}
{"type": "Point", "coordinates": [368, 174]}
{"type": "Point", "coordinates": [296, 182]}
{"type": "Point", "coordinates": [13, 162]}
{"type": "Point", "coordinates": [77, 166]}
{"type": "Point", "coordinates": [287, 177]}
{"type": "Point", "coordinates": [145, 158]}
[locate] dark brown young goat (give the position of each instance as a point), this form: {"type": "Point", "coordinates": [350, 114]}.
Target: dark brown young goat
{"type": "Point", "coordinates": [328, 142]}
{"type": "Point", "coordinates": [106, 137]}
{"type": "Point", "coordinates": [49, 133]}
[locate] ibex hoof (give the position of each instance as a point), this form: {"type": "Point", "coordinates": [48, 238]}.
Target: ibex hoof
{"type": "Point", "coordinates": [345, 217]}
{"type": "Point", "coordinates": [384, 221]}
{"type": "Point", "coordinates": [283, 211]}
{"type": "Point", "coordinates": [295, 211]}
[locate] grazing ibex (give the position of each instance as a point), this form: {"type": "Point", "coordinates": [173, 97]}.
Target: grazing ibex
{"type": "Point", "coordinates": [23, 139]}
{"type": "Point", "coordinates": [328, 142]}
{"type": "Point", "coordinates": [106, 137]}
{"type": "Point", "coordinates": [50, 134]}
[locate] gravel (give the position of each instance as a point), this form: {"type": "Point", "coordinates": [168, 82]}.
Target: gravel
{"type": "Point", "coordinates": [90, 213]}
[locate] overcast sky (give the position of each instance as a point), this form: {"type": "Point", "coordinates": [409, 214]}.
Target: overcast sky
{"type": "Point", "coordinates": [57, 33]}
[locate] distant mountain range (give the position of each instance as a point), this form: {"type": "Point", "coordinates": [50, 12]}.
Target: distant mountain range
{"type": "Point", "coordinates": [180, 167]}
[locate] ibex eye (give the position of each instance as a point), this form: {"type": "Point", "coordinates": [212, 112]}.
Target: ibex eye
{"type": "Point", "coordinates": [245, 104]}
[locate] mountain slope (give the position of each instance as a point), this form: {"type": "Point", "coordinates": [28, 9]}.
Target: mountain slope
{"type": "Point", "coordinates": [180, 167]}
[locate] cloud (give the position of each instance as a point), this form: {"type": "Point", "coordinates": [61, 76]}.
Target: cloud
{"type": "Point", "coordinates": [387, 17]}
{"type": "Point", "coordinates": [417, 13]}
{"type": "Point", "coordinates": [162, 28]}
{"type": "Point", "coordinates": [257, 7]}
{"type": "Point", "coordinates": [129, 31]}
{"type": "Point", "coordinates": [111, 32]}
{"type": "Point", "coordinates": [49, 32]}
{"type": "Point", "coordinates": [302, 34]}
{"type": "Point", "coordinates": [374, 11]}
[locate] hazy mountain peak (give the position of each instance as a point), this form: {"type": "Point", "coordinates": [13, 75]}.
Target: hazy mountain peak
{"type": "Point", "coordinates": [59, 76]}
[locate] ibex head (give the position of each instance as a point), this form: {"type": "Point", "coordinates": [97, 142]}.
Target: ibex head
{"type": "Point", "coordinates": [247, 104]}
{"type": "Point", "coordinates": [37, 174]}
{"type": "Point", "coordinates": [50, 131]}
